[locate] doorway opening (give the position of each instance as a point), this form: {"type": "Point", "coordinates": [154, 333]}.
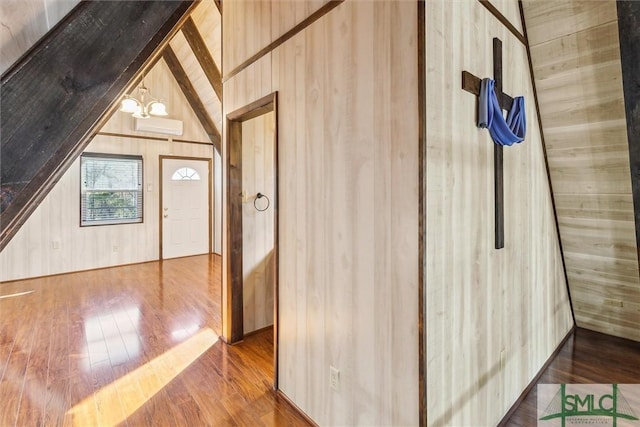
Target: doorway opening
{"type": "Point", "coordinates": [250, 291]}
{"type": "Point", "coordinates": [185, 206]}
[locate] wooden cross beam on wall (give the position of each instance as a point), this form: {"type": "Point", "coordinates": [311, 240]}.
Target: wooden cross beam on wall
{"type": "Point", "coordinates": [471, 84]}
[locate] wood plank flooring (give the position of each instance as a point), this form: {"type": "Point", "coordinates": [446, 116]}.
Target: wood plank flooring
{"type": "Point", "coordinates": [134, 345]}
{"type": "Point", "coordinates": [587, 357]}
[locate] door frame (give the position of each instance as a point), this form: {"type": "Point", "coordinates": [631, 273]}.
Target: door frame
{"type": "Point", "coordinates": [232, 318]}
{"type": "Point", "coordinates": [210, 195]}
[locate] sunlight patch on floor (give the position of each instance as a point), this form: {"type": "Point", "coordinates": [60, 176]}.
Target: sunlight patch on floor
{"type": "Point", "coordinates": [115, 402]}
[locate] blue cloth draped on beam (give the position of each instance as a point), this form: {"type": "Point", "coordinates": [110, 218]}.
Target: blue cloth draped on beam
{"type": "Point", "coordinates": [503, 132]}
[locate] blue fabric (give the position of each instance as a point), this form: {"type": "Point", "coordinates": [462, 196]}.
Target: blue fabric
{"type": "Point", "coordinates": [503, 132]}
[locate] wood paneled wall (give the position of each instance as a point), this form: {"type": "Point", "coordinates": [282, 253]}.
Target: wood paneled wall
{"type": "Point", "coordinates": [23, 23]}
{"type": "Point", "coordinates": [163, 86]}
{"type": "Point", "coordinates": [258, 228]}
{"type": "Point", "coordinates": [198, 78]}
{"type": "Point", "coordinates": [56, 221]}
{"type": "Point", "coordinates": [209, 22]}
{"type": "Point", "coordinates": [493, 316]}
{"type": "Point", "coordinates": [576, 58]}
{"type": "Point", "coordinates": [348, 206]}
{"type": "Point", "coordinates": [251, 25]}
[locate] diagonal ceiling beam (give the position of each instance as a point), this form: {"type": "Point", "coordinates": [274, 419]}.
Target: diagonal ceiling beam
{"type": "Point", "coordinates": [190, 93]}
{"type": "Point", "coordinates": [203, 55]}
{"type": "Point", "coordinates": [63, 89]}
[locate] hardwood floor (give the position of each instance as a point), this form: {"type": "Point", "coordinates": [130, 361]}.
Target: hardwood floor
{"type": "Point", "coordinates": [587, 357]}
{"type": "Point", "coordinates": [134, 345]}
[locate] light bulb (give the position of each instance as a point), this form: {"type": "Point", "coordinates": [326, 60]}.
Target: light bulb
{"type": "Point", "coordinates": [129, 105]}
{"type": "Point", "coordinates": [158, 109]}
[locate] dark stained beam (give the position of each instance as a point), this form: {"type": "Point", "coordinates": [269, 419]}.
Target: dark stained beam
{"type": "Point", "coordinates": [629, 34]}
{"type": "Point", "coordinates": [63, 89]}
{"type": "Point", "coordinates": [203, 55]}
{"type": "Point", "coordinates": [192, 96]}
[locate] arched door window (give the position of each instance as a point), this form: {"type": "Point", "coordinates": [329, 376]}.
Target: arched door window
{"type": "Point", "coordinates": [185, 174]}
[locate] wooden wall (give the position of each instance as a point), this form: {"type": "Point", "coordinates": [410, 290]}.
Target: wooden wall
{"type": "Point", "coordinates": [348, 205]}
{"type": "Point", "coordinates": [163, 86]}
{"type": "Point", "coordinates": [22, 23]}
{"type": "Point", "coordinates": [576, 58]}
{"type": "Point", "coordinates": [258, 258]}
{"type": "Point", "coordinates": [493, 316]}
{"type": "Point", "coordinates": [56, 221]}
{"type": "Point", "coordinates": [255, 24]}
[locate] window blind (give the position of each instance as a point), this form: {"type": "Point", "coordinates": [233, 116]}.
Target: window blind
{"type": "Point", "coordinates": [111, 189]}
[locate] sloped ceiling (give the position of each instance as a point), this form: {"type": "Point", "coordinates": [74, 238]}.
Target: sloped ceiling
{"type": "Point", "coordinates": [23, 23]}
{"type": "Point", "coordinates": [576, 62]}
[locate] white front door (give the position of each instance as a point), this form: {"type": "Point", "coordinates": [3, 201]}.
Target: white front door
{"type": "Point", "coordinates": [185, 207]}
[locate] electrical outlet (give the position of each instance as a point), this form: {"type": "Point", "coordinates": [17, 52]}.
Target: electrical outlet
{"type": "Point", "coordinates": [334, 378]}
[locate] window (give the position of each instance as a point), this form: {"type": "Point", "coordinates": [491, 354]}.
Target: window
{"type": "Point", "coordinates": [185, 174]}
{"type": "Point", "coordinates": [111, 189]}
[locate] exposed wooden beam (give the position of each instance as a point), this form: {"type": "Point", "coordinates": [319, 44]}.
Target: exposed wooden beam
{"type": "Point", "coordinates": [190, 93]}
{"type": "Point", "coordinates": [203, 55]}
{"type": "Point", "coordinates": [64, 88]}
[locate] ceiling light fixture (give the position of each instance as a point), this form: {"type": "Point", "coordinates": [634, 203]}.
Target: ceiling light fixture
{"type": "Point", "coordinates": [140, 109]}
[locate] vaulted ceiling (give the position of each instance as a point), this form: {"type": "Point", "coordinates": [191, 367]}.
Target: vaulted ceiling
{"type": "Point", "coordinates": [197, 48]}
{"type": "Point", "coordinates": [193, 57]}
{"type": "Point", "coordinates": [576, 57]}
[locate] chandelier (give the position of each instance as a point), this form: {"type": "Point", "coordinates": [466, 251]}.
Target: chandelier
{"type": "Point", "coordinates": [141, 110]}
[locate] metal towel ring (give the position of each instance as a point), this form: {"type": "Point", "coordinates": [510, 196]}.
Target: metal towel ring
{"type": "Point", "coordinates": [260, 196]}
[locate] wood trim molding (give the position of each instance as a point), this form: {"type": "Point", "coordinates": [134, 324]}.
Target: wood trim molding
{"type": "Point", "coordinates": [422, 212]}
{"type": "Point", "coordinates": [281, 395]}
{"type": "Point", "coordinates": [209, 193]}
{"type": "Point", "coordinates": [257, 331]}
{"type": "Point", "coordinates": [232, 315]}
{"type": "Point", "coordinates": [546, 159]}
{"type": "Point", "coordinates": [326, 8]}
{"type": "Point", "coordinates": [153, 138]}
{"type": "Point", "coordinates": [503, 19]}
{"type": "Point", "coordinates": [203, 55]}
{"type": "Point", "coordinates": [191, 95]}
{"type": "Point", "coordinates": [56, 69]}
{"type": "Point", "coordinates": [534, 381]}
{"type": "Point", "coordinates": [253, 110]}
